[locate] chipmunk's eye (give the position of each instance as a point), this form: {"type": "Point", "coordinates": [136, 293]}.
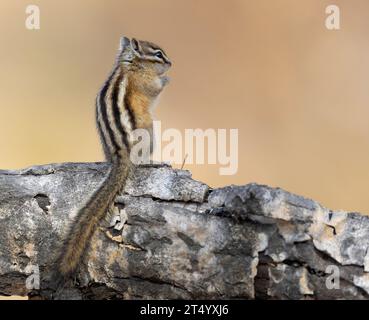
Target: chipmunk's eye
{"type": "Point", "coordinates": [159, 55]}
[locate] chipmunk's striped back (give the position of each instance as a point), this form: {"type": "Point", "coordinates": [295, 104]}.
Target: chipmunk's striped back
{"type": "Point", "coordinates": [113, 116]}
{"type": "Point", "coordinates": [122, 105]}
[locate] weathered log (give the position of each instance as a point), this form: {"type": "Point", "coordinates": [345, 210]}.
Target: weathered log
{"type": "Point", "coordinates": [171, 237]}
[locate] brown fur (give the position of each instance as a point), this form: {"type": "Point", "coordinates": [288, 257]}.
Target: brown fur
{"type": "Point", "coordinates": [146, 79]}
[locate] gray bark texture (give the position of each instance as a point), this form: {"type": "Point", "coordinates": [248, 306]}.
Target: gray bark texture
{"type": "Point", "coordinates": [171, 237]}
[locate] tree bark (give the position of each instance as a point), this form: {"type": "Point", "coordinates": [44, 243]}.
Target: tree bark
{"type": "Point", "coordinates": [171, 237]}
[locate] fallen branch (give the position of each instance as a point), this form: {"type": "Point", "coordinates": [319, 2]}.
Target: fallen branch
{"type": "Point", "coordinates": [174, 238]}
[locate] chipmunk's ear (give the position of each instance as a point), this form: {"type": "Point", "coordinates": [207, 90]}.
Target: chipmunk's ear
{"type": "Point", "coordinates": [136, 47]}
{"type": "Point", "coordinates": [125, 54]}
{"type": "Point", "coordinates": [124, 42]}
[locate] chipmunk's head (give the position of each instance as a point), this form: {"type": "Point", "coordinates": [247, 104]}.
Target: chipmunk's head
{"type": "Point", "coordinates": [146, 59]}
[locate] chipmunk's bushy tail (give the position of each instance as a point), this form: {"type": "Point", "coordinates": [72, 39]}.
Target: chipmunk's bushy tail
{"type": "Point", "coordinates": [90, 215]}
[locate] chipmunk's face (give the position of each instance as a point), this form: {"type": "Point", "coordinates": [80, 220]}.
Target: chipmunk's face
{"type": "Point", "coordinates": [147, 60]}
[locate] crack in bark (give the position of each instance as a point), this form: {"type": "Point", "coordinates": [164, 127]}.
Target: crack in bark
{"type": "Point", "coordinates": [43, 202]}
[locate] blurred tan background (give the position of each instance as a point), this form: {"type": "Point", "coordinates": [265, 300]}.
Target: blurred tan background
{"type": "Point", "coordinates": [297, 92]}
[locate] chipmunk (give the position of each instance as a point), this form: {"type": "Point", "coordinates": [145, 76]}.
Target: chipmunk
{"type": "Point", "coordinates": [123, 104]}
